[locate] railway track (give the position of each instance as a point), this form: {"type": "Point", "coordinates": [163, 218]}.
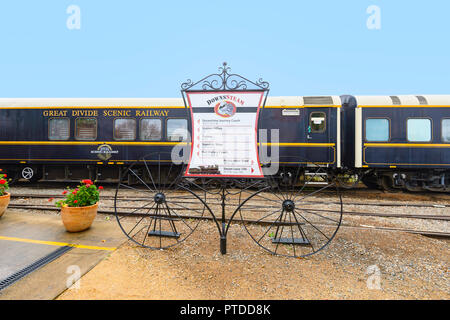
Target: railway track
{"type": "Point", "coordinates": [390, 204]}
{"type": "Point", "coordinates": [367, 214]}
{"type": "Point", "coordinates": [434, 234]}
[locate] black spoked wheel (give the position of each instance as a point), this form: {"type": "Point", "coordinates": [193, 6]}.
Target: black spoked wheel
{"type": "Point", "coordinates": [154, 206]}
{"type": "Point", "coordinates": [297, 214]}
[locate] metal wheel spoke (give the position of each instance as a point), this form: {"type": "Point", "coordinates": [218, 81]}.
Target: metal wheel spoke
{"type": "Point", "coordinates": [168, 176]}
{"type": "Point", "coordinates": [138, 190]}
{"type": "Point", "coordinates": [306, 183]}
{"type": "Point", "coordinates": [268, 199]}
{"type": "Point", "coordinates": [130, 213]}
{"type": "Point", "coordinates": [159, 172]}
{"type": "Point", "coordinates": [148, 229]}
{"type": "Point", "coordinates": [160, 229]}
{"type": "Point", "coordinates": [315, 192]}
{"type": "Point", "coordinates": [303, 232]}
{"type": "Point", "coordinates": [179, 205]}
{"type": "Point", "coordinates": [142, 180]}
{"type": "Point", "coordinates": [135, 226]}
{"type": "Point", "coordinates": [292, 235]}
{"type": "Point", "coordinates": [270, 226]}
{"type": "Point", "coordinates": [150, 174]}
{"type": "Point", "coordinates": [309, 211]}
{"type": "Point", "coordinates": [268, 215]}
{"type": "Point", "coordinates": [171, 222]}
{"type": "Point", "coordinates": [313, 226]}
{"type": "Point", "coordinates": [281, 233]}
{"type": "Point", "coordinates": [174, 211]}
{"type": "Point", "coordinates": [197, 186]}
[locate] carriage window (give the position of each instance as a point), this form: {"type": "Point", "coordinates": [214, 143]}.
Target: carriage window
{"type": "Point", "coordinates": [377, 130]}
{"type": "Point", "coordinates": [86, 129]}
{"type": "Point", "coordinates": [150, 129]}
{"type": "Point", "coordinates": [317, 121]}
{"type": "Point", "coordinates": [124, 129]}
{"type": "Point", "coordinates": [446, 130]}
{"type": "Point", "coordinates": [177, 130]}
{"type": "Point", "coordinates": [58, 129]}
{"type": "Point", "coordinates": [419, 130]}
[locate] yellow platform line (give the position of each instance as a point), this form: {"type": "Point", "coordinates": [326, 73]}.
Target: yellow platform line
{"type": "Point", "coordinates": [59, 244]}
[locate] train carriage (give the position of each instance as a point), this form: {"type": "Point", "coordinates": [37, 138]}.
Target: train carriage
{"type": "Point", "coordinates": [403, 142]}
{"type": "Point", "coordinates": [390, 142]}
{"type": "Point", "coordinates": [309, 127]}
{"type": "Point", "coordinates": [71, 139]}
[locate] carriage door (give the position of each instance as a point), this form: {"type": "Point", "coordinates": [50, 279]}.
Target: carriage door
{"type": "Point", "coordinates": [317, 133]}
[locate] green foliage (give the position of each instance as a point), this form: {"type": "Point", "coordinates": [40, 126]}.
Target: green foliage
{"type": "Point", "coordinates": [4, 186]}
{"type": "Point", "coordinates": [86, 194]}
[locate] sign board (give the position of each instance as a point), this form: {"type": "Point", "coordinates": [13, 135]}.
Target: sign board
{"type": "Point", "coordinates": [224, 133]}
{"type": "Point", "coordinates": [290, 112]}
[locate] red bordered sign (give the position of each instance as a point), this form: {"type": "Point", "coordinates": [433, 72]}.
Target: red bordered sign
{"type": "Point", "coordinates": [224, 134]}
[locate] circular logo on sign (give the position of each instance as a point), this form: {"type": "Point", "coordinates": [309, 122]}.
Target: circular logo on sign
{"type": "Point", "coordinates": [225, 109]}
{"type": "Point", "coordinates": [104, 152]}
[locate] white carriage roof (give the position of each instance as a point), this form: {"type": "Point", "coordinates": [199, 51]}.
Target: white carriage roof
{"type": "Point", "coordinates": [89, 102]}
{"type": "Point", "coordinates": [129, 102]}
{"type": "Point", "coordinates": [288, 101]}
{"type": "Point", "coordinates": [292, 101]}
{"type": "Point", "coordinates": [407, 100]}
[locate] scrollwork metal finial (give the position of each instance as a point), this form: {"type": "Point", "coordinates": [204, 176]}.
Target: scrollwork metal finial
{"type": "Point", "coordinates": [224, 81]}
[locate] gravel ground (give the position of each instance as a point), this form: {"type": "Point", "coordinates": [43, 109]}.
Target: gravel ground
{"type": "Point", "coordinates": [410, 266]}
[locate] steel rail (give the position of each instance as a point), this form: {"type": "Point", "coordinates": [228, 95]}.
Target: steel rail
{"type": "Point", "coordinates": [362, 214]}
{"type": "Point", "coordinates": [417, 205]}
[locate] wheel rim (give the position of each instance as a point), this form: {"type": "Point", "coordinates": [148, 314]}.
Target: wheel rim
{"type": "Point", "coordinates": [27, 173]}
{"type": "Point", "coordinates": [168, 213]}
{"type": "Point", "coordinates": [293, 220]}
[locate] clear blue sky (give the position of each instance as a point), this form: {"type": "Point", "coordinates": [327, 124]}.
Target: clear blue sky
{"type": "Point", "coordinates": [147, 48]}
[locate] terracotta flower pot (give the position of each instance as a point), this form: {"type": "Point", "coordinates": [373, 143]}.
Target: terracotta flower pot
{"type": "Point", "coordinates": [4, 201]}
{"type": "Point", "coordinates": [77, 219]}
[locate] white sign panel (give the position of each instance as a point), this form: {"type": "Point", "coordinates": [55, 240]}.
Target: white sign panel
{"type": "Point", "coordinates": [224, 134]}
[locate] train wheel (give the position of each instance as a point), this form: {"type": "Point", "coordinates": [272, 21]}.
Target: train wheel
{"type": "Point", "coordinates": [387, 184]}
{"type": "Point", "coordinates": [370, 182]}
{"type": "Point", "coordinates": [293, 220]}
{"type": "Point", "coordinates": [31, 174]}
{"type": "Point", "coordinates": [164, 210]}
{"type": "Point", "coordinates": [348, 181]}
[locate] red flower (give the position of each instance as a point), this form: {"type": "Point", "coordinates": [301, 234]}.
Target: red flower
{"type": "Point", "coordinates": [3, 181]}
{"type": "Point", "coordinates": [64, 192]}
{"type": "Point", "coordinates": [74, 192]}
{"type": "Point", "coordinates": [100, 188]}
{"type": "Point", "coordinates": [75, 201]}
{"type": "Point", "coordinates": [87, 181]}
{"type": "Point", "coordinates": [87, 185]}
{"type": "Point", "coordinates": [4, 176]}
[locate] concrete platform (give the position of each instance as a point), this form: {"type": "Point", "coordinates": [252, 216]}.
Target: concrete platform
{"type": "Point", "coordinates": [25, 238]}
